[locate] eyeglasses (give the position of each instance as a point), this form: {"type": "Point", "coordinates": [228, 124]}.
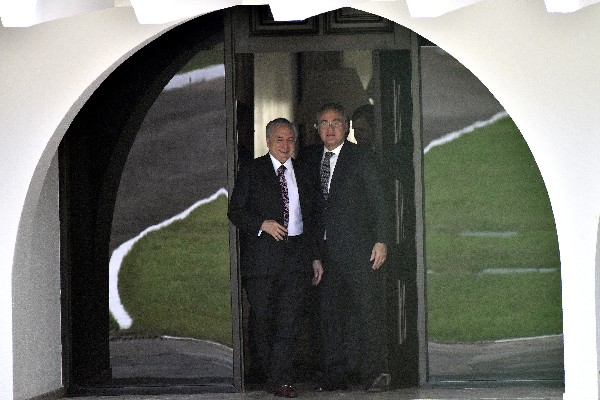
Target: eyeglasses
{"type": "Point", "coordinates": [325, 124]}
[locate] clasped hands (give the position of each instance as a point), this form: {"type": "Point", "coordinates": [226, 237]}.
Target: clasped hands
{"type": "Point", "coordinates": [279, 232]}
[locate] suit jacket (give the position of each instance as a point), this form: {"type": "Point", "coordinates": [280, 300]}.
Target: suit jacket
{"type": "Point", "coordinates": [356, 213]}
{"type": "Point", "coordinates": [256, 197]}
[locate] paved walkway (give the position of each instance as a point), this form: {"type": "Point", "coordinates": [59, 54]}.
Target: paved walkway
{"type": "Point", "coordinates": [537, 358]}
{"type": "Point", "coordinates": [506, 393]}
{"type": "Point", "coordinates": [159, 366]}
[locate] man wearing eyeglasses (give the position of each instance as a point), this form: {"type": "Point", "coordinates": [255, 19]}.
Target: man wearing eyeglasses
{"type": "Point", "coordinates": [276, 208]}
{"type": "Point", "coordinates": [355, 218]}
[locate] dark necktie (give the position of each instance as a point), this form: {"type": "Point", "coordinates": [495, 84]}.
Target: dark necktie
{"type": "Point", "coordinates": [325, 171]}
{"type": "Point", "coordinates": [284, 195]}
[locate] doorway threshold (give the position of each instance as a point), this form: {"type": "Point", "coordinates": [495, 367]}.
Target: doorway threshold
{"type": "Point", "coordinates": [440, 382]}
{"type": "Point", "coordinates": [154, 387]}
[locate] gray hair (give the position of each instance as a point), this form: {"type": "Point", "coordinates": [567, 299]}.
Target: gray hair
{"type": "Point", "coordinates": [337, 107]}
{"type": "Point", "coordinates": [281, 122]}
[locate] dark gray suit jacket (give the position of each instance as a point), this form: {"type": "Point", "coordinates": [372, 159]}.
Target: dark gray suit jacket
{"type": "Point", "coordinates": [356, 214]}
{"type": "Point", "coordinates": [256, 197]}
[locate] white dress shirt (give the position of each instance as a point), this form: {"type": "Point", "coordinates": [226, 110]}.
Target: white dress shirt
{"type": "Point", "coordinates": [332, 161]}
{"type": "Point", "coordinates": [332, 164]}
{"type": "Point", "coordinates": [295, 226]}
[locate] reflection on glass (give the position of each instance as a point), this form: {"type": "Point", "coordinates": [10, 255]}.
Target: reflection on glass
{"type": "Point", "coordinates": [468, 286]}
{"type": "Point", "coordinates": [170, 237]}
{"type": "Point", "coordinates": [493, 272]}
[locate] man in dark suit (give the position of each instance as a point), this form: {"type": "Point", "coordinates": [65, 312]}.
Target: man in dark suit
{"type": "Point", "coordinates": [356, 222]}
{"type": "Point", "coordinates": [276, 207]}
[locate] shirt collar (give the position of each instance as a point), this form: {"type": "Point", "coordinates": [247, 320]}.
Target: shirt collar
{"type": "Point", "coordinates": [276, 164]}
{"type": "Point", "coordinates": [335, 151]}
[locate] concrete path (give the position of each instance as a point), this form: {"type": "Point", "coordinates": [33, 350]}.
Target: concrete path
{"type": "Point", "coordinates": [471, 393]}
{"type": "Point", "coordinates": [537, 358]}
{"type": "Point", "coordinates": [196, 370]}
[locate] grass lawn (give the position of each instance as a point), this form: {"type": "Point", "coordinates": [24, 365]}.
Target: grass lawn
{"type": "Point", "coordinates": [205, 58]}
{"type": "Point", "coordinates": [470, 308]}
{"type": "Point", "coordinates": [176, 281]}
{"type": "Point", "coordinates": [487, 181]}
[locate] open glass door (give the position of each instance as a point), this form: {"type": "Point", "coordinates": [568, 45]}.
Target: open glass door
{"type": "Point", "coordinates": [289, 70]}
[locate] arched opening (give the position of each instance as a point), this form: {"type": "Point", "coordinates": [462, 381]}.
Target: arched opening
{"type": "Point", "coordinates": [95, 148]}
{"type": "Point", "coordinates": [91, 159]}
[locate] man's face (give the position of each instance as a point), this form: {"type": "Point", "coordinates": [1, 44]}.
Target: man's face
{"type": "Point", "coordinates": [363, 132]}
{"type": "Point", "coordinates": [281, 142]}
{"type": "Point", "coordinates": [332, 128]}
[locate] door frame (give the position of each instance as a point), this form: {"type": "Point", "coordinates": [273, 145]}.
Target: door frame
{"type": "Point", "coordinates": [250, 30]}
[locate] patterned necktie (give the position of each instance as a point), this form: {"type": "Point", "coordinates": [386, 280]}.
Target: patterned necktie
{"type": "Point", "coordinates": [325, 170]}
{"type": "Point", "coordinates": [284, 195]}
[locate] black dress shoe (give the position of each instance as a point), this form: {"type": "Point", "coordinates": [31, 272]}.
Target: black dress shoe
{"type": "Point", "coordinates": [381, 383]}
{"type": "Point", "coordinates": [284, 391]}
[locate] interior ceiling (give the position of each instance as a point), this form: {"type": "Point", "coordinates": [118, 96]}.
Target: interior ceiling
{"type": "Point", "coordinates": [23, 13]}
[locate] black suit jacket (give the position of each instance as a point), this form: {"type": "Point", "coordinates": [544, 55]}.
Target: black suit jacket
{"type": "Point", "coordinates": [356, 213]}
{"type": "Point", "coordinates": [256, 197]}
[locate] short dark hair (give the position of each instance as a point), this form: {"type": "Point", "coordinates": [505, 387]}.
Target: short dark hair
{"type": "Point", "coordinates": [281, 121]}
{"type": "Point", "coordinates": [337, 107]}
{"type": "Point", "coordinates": [366, 111]}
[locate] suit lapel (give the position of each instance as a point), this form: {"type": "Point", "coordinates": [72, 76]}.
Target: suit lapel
{"type": "Point", "coordinates": [270, 178]}
{"type": "Point", "coordinates": [341, 167]}
{"type": "Point", "coordinates": [300, 182]}
{"type": "Point", "coordinates": [315, 160]}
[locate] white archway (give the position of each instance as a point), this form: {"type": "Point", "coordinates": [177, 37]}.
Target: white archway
{"type": "Point", "coordinates": [540, 66]}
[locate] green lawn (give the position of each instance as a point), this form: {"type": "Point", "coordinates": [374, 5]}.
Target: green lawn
{"type": "Point", "coordinates": [487, 181]}
{"type": "Point", "coordinates": [176, 281]}
{"type": "Point", "coordinates": [205, 58]}
{"type": "Point", "coordinates": [469, 308]}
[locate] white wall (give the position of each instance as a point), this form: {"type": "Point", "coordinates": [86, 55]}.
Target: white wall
{"type": "Point", "coordinates": [48, 71]}
{"type": "Point", "coordinates": [541, 67]}
{"type": "Point", "coordinates": [273, 96]}
{"type": "Point", "coordinates": [37, 346]}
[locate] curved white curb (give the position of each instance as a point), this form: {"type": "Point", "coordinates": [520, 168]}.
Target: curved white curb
{"type": "Point", "coordinates": [468, 129]}
{"type": "Point", "coordinates": [116, 307]}
{"type": "Point", "coordinates": [114, 301]}
{"type": "Point", "coordinates": [198, 75]}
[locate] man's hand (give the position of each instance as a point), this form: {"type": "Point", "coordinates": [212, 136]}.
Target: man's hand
{"type": "Point", "coordinates": [378, 255]}
{"type": "Point", "coordinates": [273, 228]}
{"type": "Point", "coordinates": [318, 272]}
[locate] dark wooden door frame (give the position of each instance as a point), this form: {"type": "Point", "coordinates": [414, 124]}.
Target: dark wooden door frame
{"type": "Point", "coordinates": [401, 119]}
{"type": "Point", "coordinates": [91, 159]}
{"type": "Point", "coordinates": [250, 30]}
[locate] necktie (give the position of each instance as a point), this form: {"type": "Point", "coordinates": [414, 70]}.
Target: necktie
{"type": "Point", "coordinates": [325, 171]}
{"type": "Point", "coordinates": [284, 194]}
